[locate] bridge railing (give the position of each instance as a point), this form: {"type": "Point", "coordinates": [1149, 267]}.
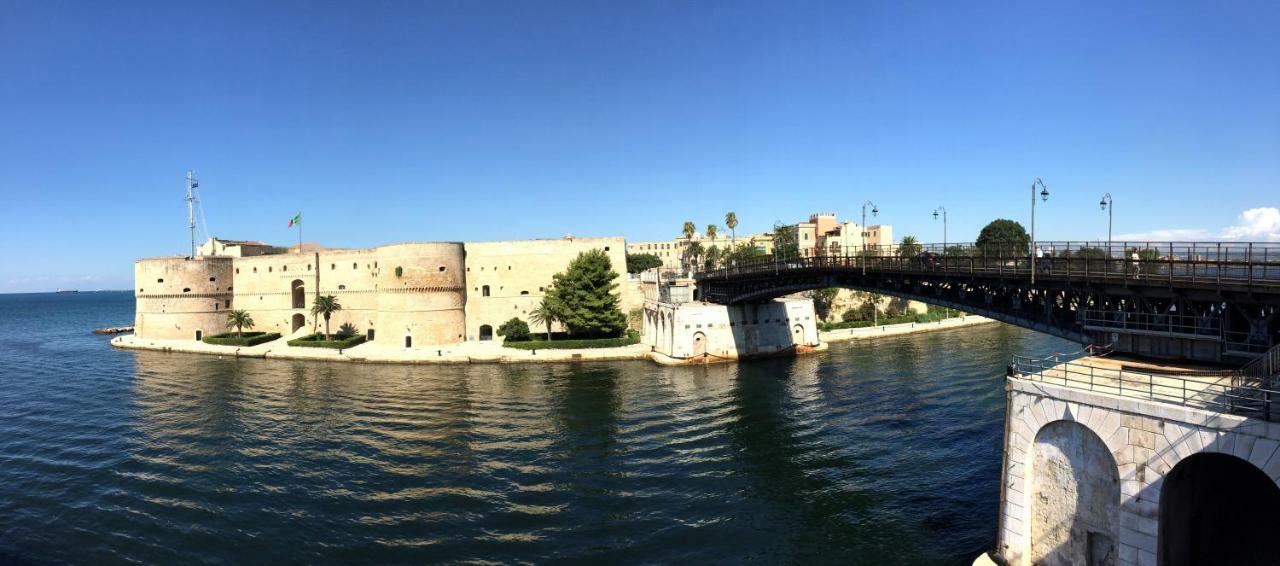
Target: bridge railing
{"type": "Point", "coordinates": [1154, 323]}
{"type": "Point", "coordinates": [1228, 391]}
{"type": "Point", "coordinates": [1216, 262]}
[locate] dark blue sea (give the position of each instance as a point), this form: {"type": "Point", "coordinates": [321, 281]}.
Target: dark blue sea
{"type": "Point", "coordinates": [882, 452]}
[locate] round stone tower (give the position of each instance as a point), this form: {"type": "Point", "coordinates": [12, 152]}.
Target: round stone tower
{"type": "Point", "coordinates": [421, 294]}
{"type": "Point", "coordinates": [180, 298]}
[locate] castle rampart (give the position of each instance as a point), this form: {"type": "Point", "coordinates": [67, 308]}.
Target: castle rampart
{"type": "Point", "coordinates": [400, 295]}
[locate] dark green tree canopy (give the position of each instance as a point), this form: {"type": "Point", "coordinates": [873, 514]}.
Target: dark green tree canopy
{"type": "Point", "coordinates": [641, 262]}
{"type": "Point", "coordinates": [583, 296]}
{"type": "Point", "coordinates": [515, 330]}
{"type": "Point", "coordinates": [785, 243]}
{"type": "Point", "coordinates": [1003, 237]}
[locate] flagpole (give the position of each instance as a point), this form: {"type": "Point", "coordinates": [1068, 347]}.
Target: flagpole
{"type": "Point", "coordinates": [299, 232]}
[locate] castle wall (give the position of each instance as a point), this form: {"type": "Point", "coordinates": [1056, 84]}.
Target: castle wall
{"type": "Point", "coordinates": [428, 293]}
{"type": "Point", "coordinates": [518, 274]}
{"type": "Point", "coordinates": [177, 297]}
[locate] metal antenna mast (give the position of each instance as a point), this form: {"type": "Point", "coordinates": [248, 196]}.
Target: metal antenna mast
{"type": "Point", "coordinates": [191, 210]}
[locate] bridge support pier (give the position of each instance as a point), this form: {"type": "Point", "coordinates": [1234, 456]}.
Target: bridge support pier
{"type": "Point", "coordinates": [1116, 476]}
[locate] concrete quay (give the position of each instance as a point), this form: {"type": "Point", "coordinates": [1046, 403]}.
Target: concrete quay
{"type": "Point", "coordinates": [495, 353]}
{"type": "Point", "coordinates": [887, 330]}
{"type": "Point", "coordinates": [369, 352]}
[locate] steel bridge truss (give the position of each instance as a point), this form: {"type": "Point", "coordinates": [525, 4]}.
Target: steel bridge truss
{"type": "Point", "coordinates": [1193, 301]}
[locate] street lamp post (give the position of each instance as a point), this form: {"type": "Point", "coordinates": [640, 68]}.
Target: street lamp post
{"type": "Point", "coordinates": [1031, 248]}
{"type": "Point", "coordinates": [874, 211]}
{"type": "Point", "coordinates": [944, 226]}
{"type": "Point", "coordinates": [1110, 207]}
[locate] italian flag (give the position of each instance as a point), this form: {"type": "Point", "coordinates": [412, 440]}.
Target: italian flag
{"type": "Point", "coordinates": [295, 220]}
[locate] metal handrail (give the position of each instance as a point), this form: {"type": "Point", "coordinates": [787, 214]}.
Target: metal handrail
{"type": "Point", "coordinates": [1251, 263]}
{"type": "Point", "coordinates": [1227, 392]}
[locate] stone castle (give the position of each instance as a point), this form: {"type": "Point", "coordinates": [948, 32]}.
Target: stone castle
{"type": "Point", "coordinates": [401, 295]}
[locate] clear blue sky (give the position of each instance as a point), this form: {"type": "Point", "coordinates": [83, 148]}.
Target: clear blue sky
{"type": "Point", "coordinates": [394, 121]}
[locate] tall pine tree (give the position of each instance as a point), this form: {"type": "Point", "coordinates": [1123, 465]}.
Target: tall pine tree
{"type": "Point", "coordinates": [583, 295]}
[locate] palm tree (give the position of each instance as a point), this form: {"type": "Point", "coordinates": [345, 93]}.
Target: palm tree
{"type": "Point", "coordinates": [689, 229]}
{"type": "Point", "coordinates": [909, 247]}
{"type": "Point", "coordinates": [325, 306]}
{"type": "Point", "coordinates": [731, 220]}
{"type": "Point", "coordinates": [694, 251]}
{"type": "Point", "coordinates": [239, 320]}
{"type": "Point", "coordinates": [713, 257]}
{"type": "Point", "coordinates": [711, 231]}
{"type": "Point", "coordinates": [544, 313]}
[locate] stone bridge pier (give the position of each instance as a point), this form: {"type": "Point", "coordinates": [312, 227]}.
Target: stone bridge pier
{"type": "Point", "coordinates": [1101, 475]}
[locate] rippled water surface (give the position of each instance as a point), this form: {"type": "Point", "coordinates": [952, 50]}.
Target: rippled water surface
{"type": "Point", "coordinates": [872, 453]}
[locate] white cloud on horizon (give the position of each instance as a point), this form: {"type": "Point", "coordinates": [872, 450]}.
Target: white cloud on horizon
{"type": "Point", "coordinates": [1253, 225]}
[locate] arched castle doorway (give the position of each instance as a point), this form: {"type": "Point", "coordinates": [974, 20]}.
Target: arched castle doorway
{"type": "Point", "coordinates": [1217, 509]}
{"type": "Point", "coordinates": [797, 335]}
{"type": "Point", "coordinates": [299, 294]}
{"type": "Point", "coordinates": [699, 344]}
{"type": "Point", "coordinates": [299, 321]}
{"type": "Point", "coordinates": [486, 333]}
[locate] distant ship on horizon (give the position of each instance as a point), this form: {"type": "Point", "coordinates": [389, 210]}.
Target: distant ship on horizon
{"type": "Point", "coordinates": [67, 291]}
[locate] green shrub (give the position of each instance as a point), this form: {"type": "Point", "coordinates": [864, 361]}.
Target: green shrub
{"type": "Point", "coordinates": [317, 340]}
{"type": "Point", "coordinates": [849, 315]}
{"type": "Point", "coordinates": [577, 344]}
{"type": "Point", "coordinates": [514, 330]}
{"type": "Point", "coordinates": [347, 330]}
{"type": "Point", "coordinates": [247, 339]}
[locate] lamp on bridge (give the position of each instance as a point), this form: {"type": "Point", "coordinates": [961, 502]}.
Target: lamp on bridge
{"type": "Point", "coordinates": [874, 211]}
{"type": "Point", "coordinates": [1031, 249]}
{"type": "Point", "coordinates": [944, 226]}
{"type": "Point", "coordinates": [1106, 200]}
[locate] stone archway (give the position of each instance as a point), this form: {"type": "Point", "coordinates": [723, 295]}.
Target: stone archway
{"type": "Point", "coordinates": [1217, 509]}
{"type": "Point", "coordinates": [299, 292]}
{"type": "Point", "coordinates": [797, 335]}
{"type": "Point", "coordinates": [298, 321]}
{"type": "Point", "coordinates": [699, 344]}
{"type": "Point", "coordinates": [1074, 497]}
{"type": "Point", "coordinates": [486, 333]}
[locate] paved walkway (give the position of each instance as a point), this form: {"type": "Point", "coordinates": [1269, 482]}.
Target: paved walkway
{"type": "Point", "coordinates": [884, 330]}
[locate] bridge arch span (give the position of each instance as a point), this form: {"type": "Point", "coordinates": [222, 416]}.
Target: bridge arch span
{"type": "Point", "coordinates": [1180, 305]}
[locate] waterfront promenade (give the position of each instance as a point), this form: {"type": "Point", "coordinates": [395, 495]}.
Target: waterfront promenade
{"type": "Point", "coordinates": [490, 352]}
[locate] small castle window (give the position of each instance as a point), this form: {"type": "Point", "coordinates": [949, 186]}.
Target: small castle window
{"type": "Point", "coordinates": [229, 289]}
{"type": "Point", "coordinates": [333, 266]}
{"type": "Point", "coordinates": [159, 280]}
{"type": "Point", "coordinates": [212, 278]}
{"type": "Point", "coordinates": [354, 265]}
{"type": "Point", "coordinates": [342, 287]}
{"type": "Point", "coordinates": [270, 269]}
{"type": "Point", "coordinates": [284, 268]}
{"type": "Point", "coordinates": [524, 292]}
{"type": "Point", "coordinates": [255, 270]}
{"type": "Point", "coordinates": [186, 289]}
{"type": "Point", "coordinates": [141, 290]}
{"type": "Point", "coordinates": [606, 248]}
{"type": "Point", "coordinates": [228, 303]}
{"type": "Point", "coordinates": [237, 271]}
{"type": "Point", "coordinates": [442, 269]}
{"type": "Point", "coordinates": [484, 290]}
{"type": "Point", "coordinates": [308, 267]}
{"type": "Point", "coordinates": [508, 268]}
